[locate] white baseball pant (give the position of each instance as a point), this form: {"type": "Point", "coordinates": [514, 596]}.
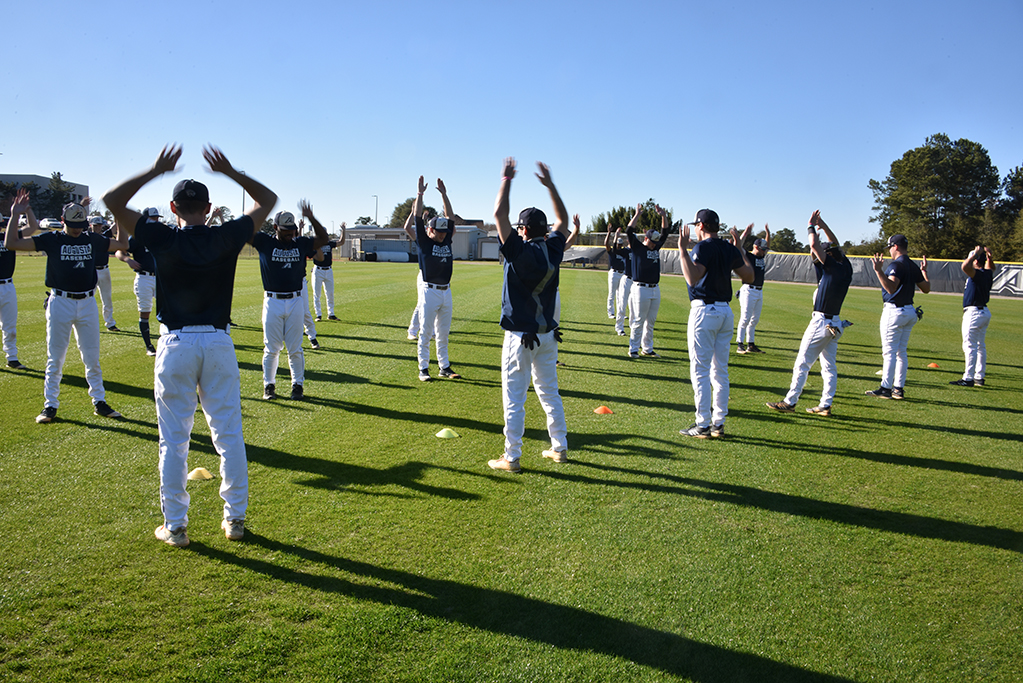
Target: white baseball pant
{"type": "Point", "coordinates": [614, 279]}
{"type": "Point", "coordinates": [282, 327]}
{"type": "Point", "coordinates": [62, 316]}
{"type": "Point", "coordinates": [896, 324]}
{"type": "Point", "coordinates": [106, 295]}
{"type": "Point", "coordinates": [623, 313]}
{"type": "Point", "coordinates": [435, 317]}
{"type": "Point", "coordinates": [9, 320]}
{"type": "Point", "coordinates": [199, 359]}
{"type": "Point", "coordinates": [751, 301]}
{"type": "Point", "coordinates": [643, 306]}
{"type": "Point", "coordinates": [413, 325]}
{"type": "Point", "coordinates": [817, 343]}
{"type": "Point", "coordinates": [710, 335]}
{"type": "Point", "coordinates": [145, 291]}
{"type": "Point", "coordinates": [308, 322]}
{"type": "Point", "coordinates": [323, 283]}
{"type": "Point", "coordinates": [975, 324]}
{"type": "Point", "coordinates": [518, 365]}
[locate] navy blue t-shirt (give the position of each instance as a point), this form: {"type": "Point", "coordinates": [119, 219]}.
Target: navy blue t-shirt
{"type": "Point", "coordinates": [978, 288]}
{"type": "Point", "coordinates": [70, 262]}
{"type": "Point", "coordinates": [531, 272]}
{"type": "Point", "coordinates": [909, 274]}
{"type": "Point", "coordinates": [141, 255]}
{"type": "Point", "coordinates": [282, 264]}
{"type": "Point", "coordinates": [195, 268]}
{"type": "Point", "coordinates": [836, 276]}
{"type": "Point", "coordinates": [627, 255]}
{"type": "Point", "coordinates": [720, 258]}
{"type": "Point", "coordinates": [434, 257]}
{"type": "Point", "coordinates": [102, 258]}
{"type": "Point", "coordinates": [616, 259]}
{"type": "Point", "coordinates": [646, 262]}
{"type": "Point", "coordinates": [759, 264]}
{"type": "Point", "coordinates": [6, 259]}
{"type": "Point", "coordinates": [327, 250]}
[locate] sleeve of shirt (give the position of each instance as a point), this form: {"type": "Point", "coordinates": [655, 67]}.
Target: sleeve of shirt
{"type": "Point", "coordinates": [512, 247]}
{"type": "Point", "coordinates": [42, 242]}
{"type": "Point", "coordinates": [259, 241]}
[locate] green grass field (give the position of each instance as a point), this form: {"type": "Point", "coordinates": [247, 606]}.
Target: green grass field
{"type": "Point", "coordinates": [882, 544]}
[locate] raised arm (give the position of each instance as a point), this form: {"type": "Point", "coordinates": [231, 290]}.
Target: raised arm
{"type": "Point", "coordinates": [767, 235]}
{"type": "Point", "coordinates": [320, 233]}
{"type": "Point", "coordinates": [263, 198]}
{"type": "Point", "coordinates": [12, 240]}
{"type": "Point", "coordinates": [504, 227]}
{"type": "Point", "coordinates": [924, 286]}
{"type": "Point", "coordinates": [448, 213]}
{"type": "Point", "coordinates": [811, 230]}
{"type": "Point", "coordinates": [889, 284]}
{"type": "Point", "coordinates": [117, 198]}
{"type": "Point", "coordinates": [417, 209]}
{"type": "Point", "coordinates": [119, 242]}
{"type": "Point", "coordinates": [692, 271]}
{"type": "Point", "coordinates": [575, 232]}
{"type": "Point", "coordinates": [745, 271]}
{"type": "Point", "coordinates": [560, 212]}
{"type": "Point", "coordinates": [608, 238]}
{"type": "Point", "coordinates": [967, 265]}
{"type": "Point", "coordinates": [665, 225]}
{"type": "Point", "coordinates": [742, 238]}
{"type": "Point", "coordinates": [630, 229]}
{"type": "Point", "coordinates": [341, 239]}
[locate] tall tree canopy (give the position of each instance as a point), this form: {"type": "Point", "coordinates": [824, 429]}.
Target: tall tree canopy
{"type": "Point", "coordinates": [619, 217]}
{"type": "Point", "coordinates": [936, 194]}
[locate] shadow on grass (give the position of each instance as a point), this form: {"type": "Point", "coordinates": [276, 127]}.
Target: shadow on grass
{"type": "Point", "coordinates": [869, 518]}
{"type": "Point", "coordinates": [334, 475]}
{"type": "Point", "coordinates": [517, 616]}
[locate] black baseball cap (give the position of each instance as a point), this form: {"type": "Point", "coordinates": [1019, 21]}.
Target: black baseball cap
{"type": "Point", "coordinates": [190, 190]}
{"type": "Point", "coordinates": [899, 240]}
{"type": "Point", "coordinates": [532, 218]}
{"type": "Point", "coordinates": [709, 218]}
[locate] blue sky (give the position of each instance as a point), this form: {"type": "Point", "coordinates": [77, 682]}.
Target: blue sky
{"type": "Point", "coordinates": [761, 111]}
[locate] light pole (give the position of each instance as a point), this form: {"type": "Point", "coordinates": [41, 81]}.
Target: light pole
{"type": "Point", "coordinates": [376, 210]}
{"type": "Point", "coordinates": [243, 196]}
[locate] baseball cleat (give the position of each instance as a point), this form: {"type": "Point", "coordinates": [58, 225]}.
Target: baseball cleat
{"type": "Point", "coordinates": [412, 337]}
{"type": "Point", "coordinates": [297, 394]}
{"type": "Point", "coordinates": [150, 350]}
{"type": "Point", "coordinates": [898, 393]}
{"type": "Point", "coordinates": [633, 354]}
{"type": "Point", "coordinates": [234, 529]}
{"type": "Point", "coordinates": [313, 343]}
{"type": "Point", "coordinates": [556, 456]}
{"type": "Point", "coordinates": [978, 382]}
{"type": "Point", "coordinates": [505, 465]}
{"type": "Point", "coordinates": [962, 383]}
{"type": "Point", "coordinates": [103, 410]}
{"type": "Point", "coordinates": [741, 349]}
{"type": "Point", "coordinates": [717, 431]}
{"type": "Point", "coordinates": [331, 317]}
{"type": "Point", "coordinates": [424, 375]}
{"type": "Point", "coordinates": [48, 414]}
{"type": "Point", "coordinates": [753, 348]}
{"type": "Point", "coordinates": [318, 318]}
{"type": "Point", "coordinates": [696, 431]}
{"type": "Point", "coordinates": [269, 392]}
{"type": "Point", "coordinates": [823, 411]}
{"type": "Point", "coordinates": [781, 407]}
{"type": "Point", "coordinates": [650, 354]}
{"type": "Point", "coordinates": [177, 538]}
{"type": "Point", "coordinates": [448, 373]}
{"type": "Point", "coordinates": [621, 333]}
{"type": "Point", "coordinates": [16, 365]}
{"type": "Point", "coordinates": [113, 328]}
{"type": "Point", "coordinates": [880, 392]}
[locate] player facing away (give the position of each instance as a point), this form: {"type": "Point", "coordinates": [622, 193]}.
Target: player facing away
{"type": "Point", "coordinates": [195, 357]}
{"type": "Point", "coordinates": [323, 276]}
{"type": "Point", "coordinates": [531, 267]}
{"type": "Point", "coordinates": [899, 281]}
{"type": "Point", "coordinates": [140, 260]}
{"type": "Point", "coordinates": [71, 305]}
{"type": "Point", "coordinates": [820, 340]}
{"type": "Point", "coordinates": [433, 242]}
{"type": "Point", "coordinates": [645, 299]}
{"type": "Point", "coordinates": [979, 268]}
{"type": "Point", "coordinates": [282, 268]}
{"type": "Point", "coordinates": [103, 284]}
{"type": "Point", "coordinates": [751, 296]}
{"type": "Point", "coordinates": [617, 262]}
{"type": "Point", "coordinates": [708, 273]}
{"type": "Point", "coordinates": [8, 295]}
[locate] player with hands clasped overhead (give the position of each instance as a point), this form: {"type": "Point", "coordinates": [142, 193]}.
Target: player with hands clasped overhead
{"type": "Point", "coordinates": [820, 340]}
{"type": "Point", "coordinates": [8, 296]}
{"type": "Point", "coordinates": [71, 277]}
{"type": "Point", "coordinates": [708, 273]}
{"type": "Point", "coordinates": [195, 357]}
{"type": "Point", "coordinates": [323, 276]}
{"type": "Point", "coordinates": [433, 240]}
{"type": "Point", "coordinates": [899, 281]}
{"type": "Point", "coordinates": [645, 299]}
{"type": "Point", "coordinates": [979, 268]}
{"type": "Point", "coordinates": [532, 258]}
{"type": "Point", "coordinates": [751, 296]}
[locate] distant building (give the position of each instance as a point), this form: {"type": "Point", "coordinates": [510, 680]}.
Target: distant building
{"type": "Point", "coordinates": [78, 192]}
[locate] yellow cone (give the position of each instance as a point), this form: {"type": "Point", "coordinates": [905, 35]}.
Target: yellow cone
{"type": "Point", "coordinates": [199, 473]}
{"type": "Point", "coordinates": [446, 434]}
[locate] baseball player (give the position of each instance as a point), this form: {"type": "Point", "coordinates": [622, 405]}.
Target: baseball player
{"type": "Point", "coordinates": [414, 322]}
{"type": "Point", "coordinates": [820, 340]}
{"type": "Point", "coordinates": [195, 356]}
{"type": "Point", "coordinates": [979, 267]}
{"type": "Point", "coordinates": [615, 272]}
{"type": "Point", "coordinates": [323, 275]}
{"type": "Point", "coordinates": [645, 299]}
{"type": "Point", "coordinates": [141, 261]}
{"type": "Point", "coordinates": [623, 314]}
{"type": "Point", "coordinates": [751, 296]}
{"type": "Point", "coordinates": [97, 224]}
{"type": "Point", "coordinates": [71, 277]}
{"type": "Point", "coordinates": [708, 277]}
{"type": "Point", "coordinates": [8, 296]}
{"type": "Point", "coordinates": [433, 240]}
{"type": "Point", "coordinates": [899, 281]}
{"type": "Point", "coordinates": [308, 323]}
{"type": "Point", "coordinates": [532, 259]}
{"type": "Point", "coordinates": [282, 267]}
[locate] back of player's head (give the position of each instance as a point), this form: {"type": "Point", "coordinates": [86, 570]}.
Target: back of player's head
{"type": "Point", "coordinates": [190, 196]}
{"type": "Point", "coordinates": [709, 219]}
{"type": "Point", "coordinates": [899, 241]}
{"type": "Point", "coordinates": [534, 221]}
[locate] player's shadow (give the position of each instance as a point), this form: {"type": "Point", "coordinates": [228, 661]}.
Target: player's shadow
{"type": "Point", "coordinates": [112, 387]}
{"type": "Point", "coordinates": [771, 501]}
{"type": "Point", "coordinates": [333, 475]}
{"type": "Point", "coordinates": [505, 613]}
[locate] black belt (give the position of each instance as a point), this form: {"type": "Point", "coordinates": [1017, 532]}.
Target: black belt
{"type": "Point", "coordinates": [72, 295]}
{"type": "Point", "coordinates": [144, 272]}
{"type": "Point", "coordinates": [7, 281]}
{"type": "Point", "coordinates": [979, 308]}
{"type": "Point", "coordinates": [323, 267]}
{"type": "Point", "coordinates": [645, 284]}
{"type": "Point", "coordinates": [754, 287]}
{"type": "Point", "coordinates": [433, 286]}
{"type": "Point", "coordinates": [102, 267]}
{"type": "Point", "coordinates": [283, 295]}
